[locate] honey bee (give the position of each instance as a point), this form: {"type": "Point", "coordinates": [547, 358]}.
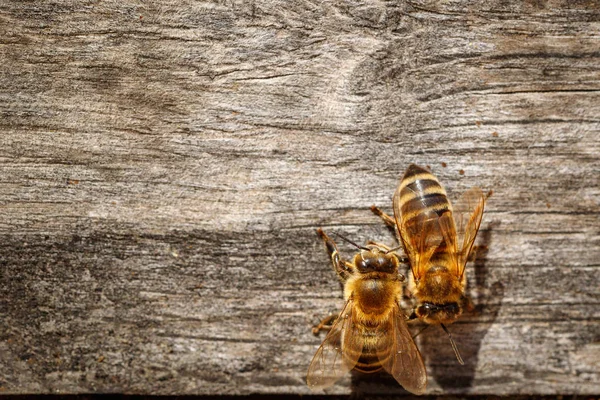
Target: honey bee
{"type": "Point", "coordinates": [370, 333]}
{"type": "Point", "coordinates": [437, 239]}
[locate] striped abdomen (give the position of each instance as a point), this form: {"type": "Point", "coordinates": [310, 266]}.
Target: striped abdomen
{"type": "Point", "coordinates": [373, 352]}
{"type": "Point", "coordinates": [420, 193]}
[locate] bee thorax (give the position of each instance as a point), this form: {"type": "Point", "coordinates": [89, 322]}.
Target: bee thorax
{"type": "Point", "coordinates": [375, 296]}
{"type": "Point", "coordinates": [439, 286]}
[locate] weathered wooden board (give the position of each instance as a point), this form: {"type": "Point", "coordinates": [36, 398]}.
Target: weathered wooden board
{"type": "Point", "coordinates": [165, 165]}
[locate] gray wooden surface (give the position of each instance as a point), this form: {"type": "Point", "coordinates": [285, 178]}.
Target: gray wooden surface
{"type": "Point", "coordinates": [164, 166]}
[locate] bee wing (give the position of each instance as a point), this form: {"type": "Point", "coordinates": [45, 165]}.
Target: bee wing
{"type": "Point", "coordinates": [448, 229]}
{"type": "Point", "coordinates": [468, 211]}
{"type": "Point", "coordinates": [404, 361]}
{"type": "Point", "coordinates": [420, 235]}
{"type": "Point", "coordinates": [339, 352]}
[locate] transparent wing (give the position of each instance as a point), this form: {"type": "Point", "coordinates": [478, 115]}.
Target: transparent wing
{"type": "Point", "coordinates": [468, 211]}
{"type": "Point", "coordinates": [420, 234]}
{"type": "Point", "coordinates": [448, 229]}
{"type": "Point", "coordinates": [404, 361]}
{"type": "Point", "coordinates": [339, 352]}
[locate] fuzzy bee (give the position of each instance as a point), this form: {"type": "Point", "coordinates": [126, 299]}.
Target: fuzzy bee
{"type": "Point", "coordinates": [437, 238]}
{"type": "Point", "coordinates": [370, 333]}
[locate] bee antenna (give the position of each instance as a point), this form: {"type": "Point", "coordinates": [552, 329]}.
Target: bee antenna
{"type": "Point", "coordinates": [393, 249]}
{"type": "Point", "coordinates": [458, 357]}
{"type": "Point", "coordinates": [351, 242]}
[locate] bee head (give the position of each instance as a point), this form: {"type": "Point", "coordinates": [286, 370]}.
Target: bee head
{"type": "Point", "coordinates": [374, 260]}
{"type": "Point", "coordinates": [433, 313]}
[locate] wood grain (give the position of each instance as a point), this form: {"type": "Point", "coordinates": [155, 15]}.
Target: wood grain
{"type": "Point", "coordinates": [165, 165]}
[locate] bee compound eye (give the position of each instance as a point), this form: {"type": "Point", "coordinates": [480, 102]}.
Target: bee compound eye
{"type": "Point", "coordinates": [362, 265]}
{"type": "Point", "coordinates": [426, 308]}
{"type": "Point", "coordinates": [453, 308]}
{"type": "Point", "coordinates": [367, 263]}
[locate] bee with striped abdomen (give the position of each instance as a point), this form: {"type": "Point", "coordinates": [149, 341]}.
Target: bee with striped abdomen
{"type": "Point", "coordinates": [437, 239]}
{"type": "Point", "coordinates": [370, 334]}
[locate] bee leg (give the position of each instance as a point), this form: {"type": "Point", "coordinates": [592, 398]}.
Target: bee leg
{"type": "Point", "coordinates": [473, 254]}
{"type": "Point", "coordinates": [468, 304]}
{"type": "Point", "coordinates": [408, 299]}
{"type": "Point", "coordinates": [474, 250]}
{"type": "Point", "coordinates": [389, 221]}
{"type": "Point", "coordinates": [341, 267]}
{"type": "Point", "coordinates": [421, 331]}
{"type": "Point", "coordinates": [325, 324]}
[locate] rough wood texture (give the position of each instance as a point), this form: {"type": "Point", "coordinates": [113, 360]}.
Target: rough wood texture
{"type": "Point", "coordinates": [165, 165]}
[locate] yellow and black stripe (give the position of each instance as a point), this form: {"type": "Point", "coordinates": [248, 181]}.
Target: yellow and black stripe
{"type": "Point", "coordinates": [371, 360]}
{"type": "Point", "coordinates": [421, 192]}
{"type": "Point", "coordinates": [377, 349]}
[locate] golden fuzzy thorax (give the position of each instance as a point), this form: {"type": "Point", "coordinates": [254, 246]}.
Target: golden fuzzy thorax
{"type": "Point", "coordinates": [439, 287]}
{"type": "Point", "coordinates": [375, 294]}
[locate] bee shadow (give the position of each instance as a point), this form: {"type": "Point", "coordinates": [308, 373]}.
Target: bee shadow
{"type": "Point", "coordinates": [469, 331]}
{"type": "Point", "coordinates": [376, 384]}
